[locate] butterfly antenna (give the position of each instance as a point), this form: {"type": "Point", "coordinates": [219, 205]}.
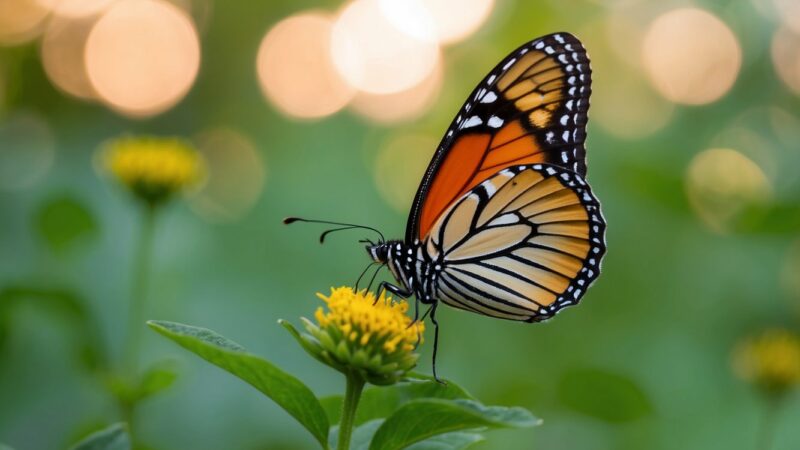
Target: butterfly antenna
{"type": "Point", "coordinates": [344, 226]}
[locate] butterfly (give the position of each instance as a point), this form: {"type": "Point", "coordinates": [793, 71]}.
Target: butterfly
{"type": "Point", "coordinates": [504, 223]}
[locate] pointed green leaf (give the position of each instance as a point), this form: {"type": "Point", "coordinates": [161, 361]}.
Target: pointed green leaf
{"type": "Point", "coordinates": [603, 395]}
{"type": "Point", "coordinates": [457, 440]}
{"type": "Point", "coordinates": [419, 420]}
{"type": "Point", "coordinates": [114, 437]}
{"type": "Point", "coordinates": [284, 389]}
{"type": "Point", "coordinates": [381, 402]}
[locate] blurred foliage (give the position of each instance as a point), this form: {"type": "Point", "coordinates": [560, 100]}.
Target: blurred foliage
{"type": "Point", "coordinates": [603, 395]}
{"type": "Point", "coordinates": [68, 307]}
{"type": "Point", "coordinates": [114, 437]}
{"type": "Point", "coordinates": [63, 220]}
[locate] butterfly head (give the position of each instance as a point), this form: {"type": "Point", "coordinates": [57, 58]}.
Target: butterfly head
{"type": "Point", "coordinates": [379, 252]}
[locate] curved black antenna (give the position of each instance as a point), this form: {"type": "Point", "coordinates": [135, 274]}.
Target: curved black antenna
{"type": "Point", "coordinates": [347, 226]}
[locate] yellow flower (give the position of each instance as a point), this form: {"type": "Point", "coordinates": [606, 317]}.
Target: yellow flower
{"type": "Point", "coordinates": [153, 168]}
{"type": "Point", "coordinates": [355, 334]}
{"type": "Point", "coordinates": [771, 360]}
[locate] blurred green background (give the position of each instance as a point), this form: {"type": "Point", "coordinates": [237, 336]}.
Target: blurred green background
{"type": "Point", "coordinates": [702, 202]}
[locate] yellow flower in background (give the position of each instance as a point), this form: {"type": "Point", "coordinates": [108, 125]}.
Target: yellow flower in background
{"type": "Point", "coordinates": [153, 168]}
{"type": "Point", "coordinates": [354, 334]}
{"type": "Point", "coordinates": [771, 360]}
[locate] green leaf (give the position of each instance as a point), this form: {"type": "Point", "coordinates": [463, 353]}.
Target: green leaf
{"type": "Point", "coordinates": [381, 402]}
{"type": "Point", "coordinates": [284, 389]}
{"type": "Point", "coordinates": [155, 379]}
{"type": "Point", "coordinates": [62, 221]}
{"type": "Point", "coordinates": [114, 437]}
{"type": "Point", "coordinates": [68, 306]}
{"type": "Point", "coordinates": [419, 420]}
{"type": "Point", "coordinates": [361, 437]}
{"type": "Point", "coordinates": [603, 395]}
{"type": "Point", "coordinates": [457, 440]}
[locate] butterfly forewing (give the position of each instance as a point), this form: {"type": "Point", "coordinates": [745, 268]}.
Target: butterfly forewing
{"type": "Point", "coordinates": [521, 245]}
{"type": "Point", "coordinates": [531, 108]}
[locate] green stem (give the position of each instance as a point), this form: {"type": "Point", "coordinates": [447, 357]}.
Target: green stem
{"type": "Point", "coordinates": [355, 384]}
{"type": "Point", "coordinates": [766, 432]}
{"type": "Point", "coordinates": [139, 290]}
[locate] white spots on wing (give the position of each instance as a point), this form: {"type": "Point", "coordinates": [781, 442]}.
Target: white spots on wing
{"type": "Point", "coordinates": [563, 58]}
{"type": "Point", "coordinates": [472, 122]}
{"type": "Point", "coordinates": [539, 45]}
{"type": "Point", "coordinates": [481, 92]}
{"type": "Point", "coordinates": [523, 51]}
{"type": "Point", "coordinates": [564, 157]}
{"type": "Point", "coordinates": [564, 119]}
{"type": "Point", "coordinates": [571, 80]}
{"type": "Point", "coordinates": [495, 122]}
{"type": "Point", "coordinates": [537, 167]}
{"type": "Point", "coordinates": [509, 63]}
{"type": "Point", "coordinates": [549, 50]}
{"type": "Point", "coordinates": [568, 47]}
{"type": "Point", "coordinates": [505, 219]}
{"type": "Point", "coordinates": [565, 136]}
{"type": "Point", "coordinates": [550, 171]}
{"type": "Point", "coordinates": [489, 187]}
{"type": "Point", "coordinates": [549, 137]}
{"type": "Point", "coordinates": [568, 104]}
{"type": "Point", "coordinates": [559, 38]}
{"type": "Point", "coordinates": [491, 79]}
{"type": "Point", "coordinates": [489, 97]}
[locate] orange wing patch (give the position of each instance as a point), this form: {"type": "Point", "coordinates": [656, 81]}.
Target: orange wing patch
{"type": "Point", "coordinates": [473, 159]}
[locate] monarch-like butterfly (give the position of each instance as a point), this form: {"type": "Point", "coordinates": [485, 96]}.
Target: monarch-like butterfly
{"type": "Point", "coordinates": [503, 223]}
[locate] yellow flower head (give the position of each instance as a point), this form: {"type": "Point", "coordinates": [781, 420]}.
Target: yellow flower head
{"type": "Point", "coordinates": [771, 360]}
{"type": "Point", "coordinates": [356, 334]}
{"type": "Point", "coordinates": [153, 168]}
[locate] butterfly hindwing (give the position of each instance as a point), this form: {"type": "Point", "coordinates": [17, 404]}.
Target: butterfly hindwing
{"type": "Point", "coordinates": [531, 108]}
{"type": "Point", "coordinates": [521, 245]}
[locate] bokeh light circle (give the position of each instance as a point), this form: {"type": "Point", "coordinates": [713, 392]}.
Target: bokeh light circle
{"type": "Point", "coordinates": [63, 53]}
{"type": "Point", "coordinates": [444, 21]}
{"type": "Point", "coordinates": [21, 21]}
{"type": "Point", "coordinates": [375, 56]}
{"type": "Point", "coordinates": [721, 183]}
{"type": "Point", "coordinates": [236, 175]}
{"type": "Point", "coordinates": [295, 69]}
{"type": "Point", "coordinates": [786, 57]}
{"type": "Point", "coordinates": [76, 8]}
{"type": "Point", "coordinates": [142, 56]}
{"type": "Point", "coordinates": [691, 56]}
{"type": "Point", "coordinates": [400, 164]}
{"type": "Point", "coordinates": [27, 151]}
{"type": "Point", "coordinates": [401, 106]}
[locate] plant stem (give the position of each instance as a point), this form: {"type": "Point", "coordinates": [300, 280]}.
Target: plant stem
{"type": "Point", "coordinates": [766, 430]}
{"type": "Point", "coordinates": [139, 290]}
{"type": "Point", "coordinates": [355, 384]}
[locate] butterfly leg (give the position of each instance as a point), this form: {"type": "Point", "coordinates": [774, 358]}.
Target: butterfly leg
{"type": "Point", "coordinates": [396, 290]}
{"type": "Point", "coordinates": [435, 341]}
